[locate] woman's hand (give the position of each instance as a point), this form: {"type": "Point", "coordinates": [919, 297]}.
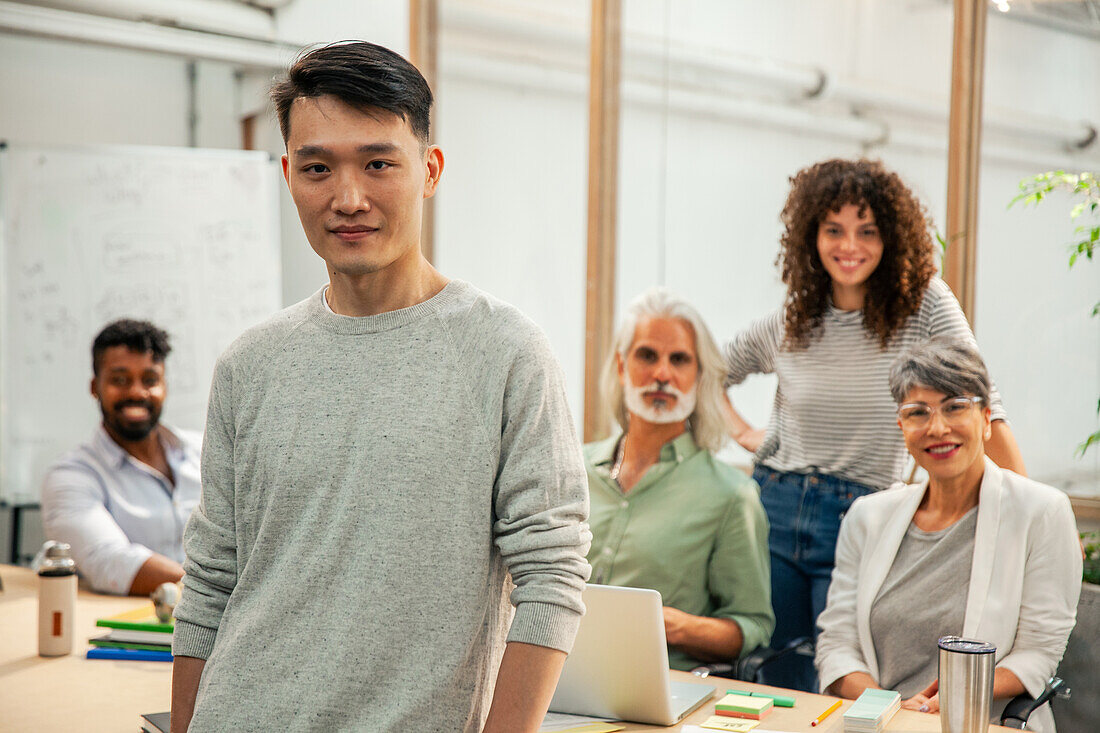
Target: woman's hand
{"type": "Point", "coordinates": [751, 439]}
{"type": "Point", "coordinates": [746, 435]}
{"type": "Point", "coordinates": [852, 685]}
{"type": "Point", "coordinates": [927, 701]}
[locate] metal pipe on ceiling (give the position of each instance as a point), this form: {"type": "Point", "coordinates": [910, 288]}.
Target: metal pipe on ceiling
{"type": "Point", "coordinates": [214, 16]}
{"type": "Point", "coordinates": [70, 26]}
{"type": "Point", "coordinates": [484, 32]}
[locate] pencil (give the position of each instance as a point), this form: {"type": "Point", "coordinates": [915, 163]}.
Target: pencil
{"type": "Point", "coordinates": [826, 714]}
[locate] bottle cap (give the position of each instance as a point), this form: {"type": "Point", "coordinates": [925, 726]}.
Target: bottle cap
{"type": "Point", "coordinates": [966, 646]}
{"type": "Point", "coordinates": [57, 559]}
{"type": "Point", "coordinates": [58, 549]}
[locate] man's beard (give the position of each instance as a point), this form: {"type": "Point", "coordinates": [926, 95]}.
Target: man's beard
{"type": "Point", "coordinates": [660, 414]}
{"type": "Point", "coordinates": [128, 429]}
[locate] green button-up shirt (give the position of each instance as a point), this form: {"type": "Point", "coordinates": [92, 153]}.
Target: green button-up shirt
{"type": "Point", "coordinates": [693, 529]}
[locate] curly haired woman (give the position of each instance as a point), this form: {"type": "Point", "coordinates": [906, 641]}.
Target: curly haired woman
{"type": "Point", "coordinates": [858, 263]}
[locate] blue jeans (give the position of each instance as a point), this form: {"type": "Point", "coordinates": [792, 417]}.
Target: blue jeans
{"type": "Point", "coordinates": [804, 511]}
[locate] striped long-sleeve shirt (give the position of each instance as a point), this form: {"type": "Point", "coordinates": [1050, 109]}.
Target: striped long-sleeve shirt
{"type": "Point", "coordinates": [833, 412]}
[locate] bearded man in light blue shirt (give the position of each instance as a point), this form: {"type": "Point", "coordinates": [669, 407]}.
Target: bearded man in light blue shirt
{"type": "Point", "coordinates": [123, 498]}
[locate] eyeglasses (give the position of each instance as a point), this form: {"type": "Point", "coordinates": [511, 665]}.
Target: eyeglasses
{"type": "Point", "coordinates": [917, 415]}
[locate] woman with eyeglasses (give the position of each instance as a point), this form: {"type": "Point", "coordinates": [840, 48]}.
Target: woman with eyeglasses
{"type": "Point", "coordinates": [974, 551]}
{"type": "Point", "coordinates": [858, 263]}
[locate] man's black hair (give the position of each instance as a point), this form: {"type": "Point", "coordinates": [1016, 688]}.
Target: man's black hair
{"type": "Point", "coordinates": [138, 336]}
{"type": "Point", "coordinates": [361, 75]}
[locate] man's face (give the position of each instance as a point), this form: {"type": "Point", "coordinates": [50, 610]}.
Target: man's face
{"type": "Point", "coordinates": [659, 372]}
{"type": "Point", "coordinates": [359, 180]}
{"type": "Point", "coordinates": [130, 388]}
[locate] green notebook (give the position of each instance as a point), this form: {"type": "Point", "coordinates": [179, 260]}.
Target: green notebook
{"type": "Point", "coordinates": [871, 711]}
{"type": "Point", "coordinates": [143, 618]}
{"type": "Point", "coordinates": [872, 704]}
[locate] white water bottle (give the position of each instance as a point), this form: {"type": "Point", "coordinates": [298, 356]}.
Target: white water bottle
{"type": "Point", "coordinates": [56, 600]}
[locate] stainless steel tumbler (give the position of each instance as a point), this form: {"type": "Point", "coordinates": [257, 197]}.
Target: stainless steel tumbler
{"type": "Point", "coordinates": [966, 684]}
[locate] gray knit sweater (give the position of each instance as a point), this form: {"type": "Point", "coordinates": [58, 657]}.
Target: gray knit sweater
{"type": "Point", "coordinates": [372, 489]}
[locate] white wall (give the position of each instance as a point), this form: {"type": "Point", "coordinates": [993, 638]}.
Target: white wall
{"type": "Point", "coordinates": [700, 192]}
{"type": "Point", "coordinates": [510, 211]}
{"type": "Point", "coordinates": [309, 22]}
{"type": "Point", "coordinates": [60, 92]}
{"type": "Point", "coordinates": [56, 91]}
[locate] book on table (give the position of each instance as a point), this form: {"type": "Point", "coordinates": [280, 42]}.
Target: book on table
{"type": "Point", "coordinates": [137, 637]}
{"type": "Point", "coordinates": [128, 655]}
{"type": "Point", "coordinates": [109, 641]}
{"type": "Point", "coordinates": [156, 722]}
{"type": "Point", "coordinates": [142, 618]}
{"type": "Point", "coordinates": [871, 711]}
{"type": "Point", "coordinates": [138, 630]}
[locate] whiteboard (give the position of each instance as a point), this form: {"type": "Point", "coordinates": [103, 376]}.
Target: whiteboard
{"type": "Point", "coordinates": [185, 238]}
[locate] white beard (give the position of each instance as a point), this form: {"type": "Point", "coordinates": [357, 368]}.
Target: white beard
{"type": "Point", "coordinates": [660, 414]}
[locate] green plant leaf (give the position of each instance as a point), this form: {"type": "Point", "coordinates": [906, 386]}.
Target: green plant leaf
{"type": "Point", "coordinates": [1084, 187]}
{"type": "Point", "coordinates": [1092, 439]}
{"type": "Point", "coordinates": [1090, 542]}
{"type": "Point", "coordinates": [1086, 247]}
{"type": "Point", "coordinates": [1089, 442]}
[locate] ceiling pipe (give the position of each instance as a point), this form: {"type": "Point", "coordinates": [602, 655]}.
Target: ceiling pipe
{"type": "Point", "coordinates": [868, 133]}
{"type": "Point", "coordinates": [698, 104]}
{"type": "Point", "coordinates": [482, 31]}
{"type": "Point", "coordinates": [68, 26]}
{"type": "Point", "coordinates": [215, 16]}
{"type": "Point", "coordinates": [991, 152]}
{"type": "Point", "coordinates": [1070, 135]}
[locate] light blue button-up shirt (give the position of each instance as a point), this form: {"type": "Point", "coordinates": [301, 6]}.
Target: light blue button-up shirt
{"type": "Point", "coordinates": [116, 511]}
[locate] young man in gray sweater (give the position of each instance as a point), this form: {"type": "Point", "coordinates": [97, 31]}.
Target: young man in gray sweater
{"type": "Point", "coordinates": [389, 466]}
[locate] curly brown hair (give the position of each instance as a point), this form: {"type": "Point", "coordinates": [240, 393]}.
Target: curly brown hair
{"type": "Point", "coordinates": [895, 288]}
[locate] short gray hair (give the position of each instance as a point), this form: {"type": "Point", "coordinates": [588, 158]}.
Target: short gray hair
{"type": "Point", "coordinates": [952, 367]}
{"type": "Point", "coordinates": [708, 422]}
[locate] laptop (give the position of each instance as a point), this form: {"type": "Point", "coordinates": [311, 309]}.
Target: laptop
{"type": "Point", "coordinates": [619, 665]}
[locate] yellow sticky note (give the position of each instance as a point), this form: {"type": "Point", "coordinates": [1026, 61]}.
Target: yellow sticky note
{"type": "Point", "coordinates": [718, 722]}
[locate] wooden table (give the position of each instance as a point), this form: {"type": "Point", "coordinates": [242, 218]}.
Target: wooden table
{"type": "Point", "coordinates": [70, 693]}
{"type": "Point", "coordinates": [77, 694]}
{"type": "Point", "coordinates": [797, 719]}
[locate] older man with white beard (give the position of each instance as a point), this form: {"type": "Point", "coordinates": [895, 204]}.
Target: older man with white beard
{"type": "Point", "coordinates": [666, 514]}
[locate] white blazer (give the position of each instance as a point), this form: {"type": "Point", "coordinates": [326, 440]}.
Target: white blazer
{"type": "Point", "coordinates": [1025, 579]}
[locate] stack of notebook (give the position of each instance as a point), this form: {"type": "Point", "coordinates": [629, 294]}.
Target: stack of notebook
{"type": "Point", "coordinates": [136, 635]}
{"type": "Point", "coordinates": [156, 723]}
{"type": "Point", "coordinates": [871, 711]}
{"type": "Point", "coordinates": [743, 706]}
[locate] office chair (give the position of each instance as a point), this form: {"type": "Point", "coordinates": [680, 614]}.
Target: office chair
{"type": "Point", "coordinates": [1016, 713]}
{"type": "Point", "coordinates": [747, 668]}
